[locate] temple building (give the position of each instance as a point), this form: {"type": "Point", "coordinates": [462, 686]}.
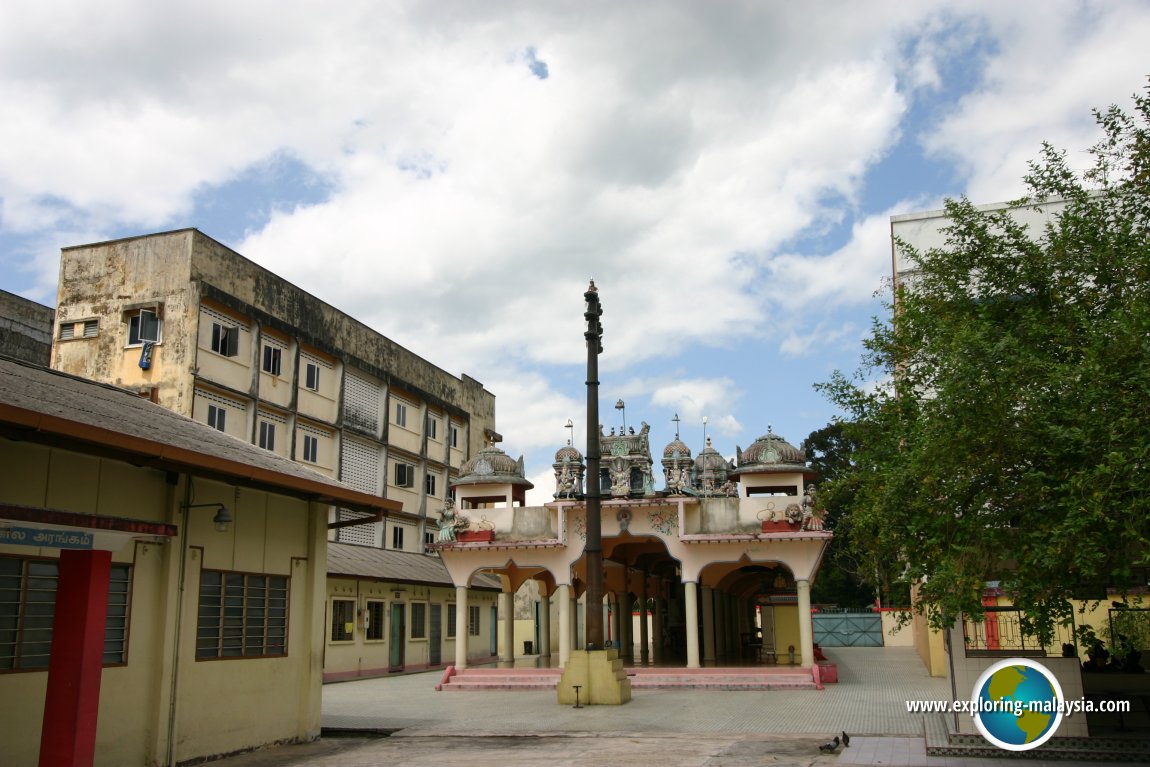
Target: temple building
{"type": "Point", "coordinates": [719, 560]}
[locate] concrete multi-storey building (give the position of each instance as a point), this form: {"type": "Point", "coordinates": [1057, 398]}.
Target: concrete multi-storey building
{"type": "Point", "coordinates": [25, 329]}
{"type": "Point", "coordinates": [207, 333]}
{"type": "Point", "coordinates": [198, 328]}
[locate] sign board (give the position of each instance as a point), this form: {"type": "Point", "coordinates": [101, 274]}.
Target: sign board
{"type": "Point", "coordinates": [46, 537]}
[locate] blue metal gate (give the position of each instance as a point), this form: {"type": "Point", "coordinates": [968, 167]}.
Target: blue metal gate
{"type": "Point", "coordinates": [847, 629]}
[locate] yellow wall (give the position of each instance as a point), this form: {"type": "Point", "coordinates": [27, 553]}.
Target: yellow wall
{"type": "Point", "coordinates": [224, 705]}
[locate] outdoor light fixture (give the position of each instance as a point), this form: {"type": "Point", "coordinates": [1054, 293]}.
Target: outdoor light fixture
{"type": "Point", "coordinates": [223, 518]}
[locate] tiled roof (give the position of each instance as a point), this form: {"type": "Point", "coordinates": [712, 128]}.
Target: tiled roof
{"type": "Point", "coordinates": [64, 407]}
{"type": "Point", "coordinates": [390, 565]}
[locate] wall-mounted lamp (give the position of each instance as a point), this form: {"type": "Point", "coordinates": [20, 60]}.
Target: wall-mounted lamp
{"type": "Point", "coordinates": [223, 518]}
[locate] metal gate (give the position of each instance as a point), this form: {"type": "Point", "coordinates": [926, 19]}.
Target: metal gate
{"type": "Point", "coordinates": [847, 629]}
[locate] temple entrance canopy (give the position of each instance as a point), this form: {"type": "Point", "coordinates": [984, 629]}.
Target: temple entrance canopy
{"type": "Point", "coordinates": [716, 564]}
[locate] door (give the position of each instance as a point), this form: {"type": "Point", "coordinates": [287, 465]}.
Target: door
{"type": "Point", "coordinates": [435, 636]}
{"type": "Point", "coordinates": [398, 636]}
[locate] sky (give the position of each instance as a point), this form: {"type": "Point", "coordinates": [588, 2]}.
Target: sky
{"type": "Point", "coordinates": [453, 173]}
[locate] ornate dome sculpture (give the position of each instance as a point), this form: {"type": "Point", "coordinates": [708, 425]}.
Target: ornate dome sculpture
{"type": "Point", "coordinates": [711, 470]}
{"type": "Point", "coordinates": [678, 467]}
{"type": "Point", "coordinates": [492, 466]}
{"type": "Point", "coordinates": [569, 471]}
{"type": "Point", "coordinates": [770, 454]}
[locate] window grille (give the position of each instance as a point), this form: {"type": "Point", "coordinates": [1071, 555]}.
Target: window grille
{"type": "Point", "coordinates": [370, 534]}
{"type": "Point", "coordinates": [67, 331]}
{"type": "Point", "coordinates": [361, 403]}
{"type": "Point", "coordinates": [451, 621]}
{"type": "Point", "coordinates": [28, 608]}
{"type": "Point", "coordinates": [418, 620]}
{"type": "Point", "coordinates": [473, 620]}
{"type": "Point", "coordinates": [360, 464]}
{"type": "Point", "coordinates": [91, 328]}
{"type": "Point", "coordinates": [241, 615]}
{"type": "Point", "coordinates": [342, 620]}
{"type": "Point", "coordinates": [375, 617]}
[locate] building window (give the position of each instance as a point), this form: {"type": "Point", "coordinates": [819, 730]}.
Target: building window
{"type": "Point", "coordinates": [473, 620]}
{"type": "Point", "coordinates": [311, 376]}
{"type": "Point", "coordinates": [67, 331]}
{"type": "Point", "coordinates": [451, 621]}
{"type": "Point", "coordinates": [342, 620]}
{"type": "Point", "coordinates": [91, 328]}
{"type": "Point", "coordinates": [453, 433]}
{"type": "Point", "coordinates": [397, 538]}
{"type": "Point", "coordinates": [375, 614]}
{"type": "Point", "coordinates": [28, 607]}
{"type": "Point", "coordinates": [310, 448]}
{"type": "Point", "coordinates": [241, 615]}
{"type": "Point", "coordinates": [404, 475]}
{"type": "Point", "coordinates": [267, 435]}
{"type": "Point", "coordinates": [144, 326]}
{"type": "Point", "coordinates": [428, 540]}
{"type": "Point", "coordinates": [429, 483]}
{"type": "Point", "coordinates": [432, 428]}
{"type": "Point", "coordinates": [273, 358]}
{"type": "Point", "coordinates": [400, 414]}
{"type": "Point", "coordinates": [217, 417]}
{"type": "Point", "coordinates": [418, 620]}
{"type": "Point", "coordinates": [225, 339]}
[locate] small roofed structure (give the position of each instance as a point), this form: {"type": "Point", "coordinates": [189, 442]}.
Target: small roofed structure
{"type": "Point", "coordinates": [492, 478]}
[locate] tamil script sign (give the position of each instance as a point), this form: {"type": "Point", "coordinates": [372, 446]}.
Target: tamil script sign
{"type": "Point", "coordinates": [47, 538]}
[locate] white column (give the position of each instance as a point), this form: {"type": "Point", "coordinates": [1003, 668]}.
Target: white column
{"type": "Point", "coordinates": [461, 632]}
{"type": "Point", "coordinates": [545, 626]}
{"type": "Point", "coordinates": [691, 608]}
{"type": "Point", "coordinates": [708, 624]}
{"type": "Point", "coordinates": [806, 636]}
{"type": "Point", "coordinates": [507, 608]}
{"type": "Point", "coordinates": [563, 600]}
{"type": "Point", "coordinates": [644, 637]}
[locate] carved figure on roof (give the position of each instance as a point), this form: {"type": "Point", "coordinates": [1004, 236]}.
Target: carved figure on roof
{"type": "Point", "coordinates": [620, 478]}
{"type": "Point", "coordinates": [565, 485]}
{"type": "Point", "coordinates": [812, 517]}
{"type": "Point", "coordinates": [794, 513]}
{"type": "Point", "coordinates": [450, 522]}
{"type": "Point", "coordinates": [729, 489]}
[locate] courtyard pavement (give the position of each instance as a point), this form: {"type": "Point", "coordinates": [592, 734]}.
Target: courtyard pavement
{"type": "Point", "coordinates": [668, 728]}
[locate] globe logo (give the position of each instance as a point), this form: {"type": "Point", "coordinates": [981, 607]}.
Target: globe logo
{"type": "Point", "coordinates": [1017, 704]}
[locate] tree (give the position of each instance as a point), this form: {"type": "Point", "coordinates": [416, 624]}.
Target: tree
{"type": "Point", "coordinates": [1008, 436]}
{"type": "Point", "coordinates": [830, 453]}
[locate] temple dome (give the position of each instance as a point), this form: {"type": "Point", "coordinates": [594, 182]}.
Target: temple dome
{"type": "Point", "coordinates": [676, 445]}
{"type": "Point", "coordinates": [492, 466]}
{"type": "Point", "coordinates": [771, 453]}
{"type": "Point", "coordinates": [711, 461]}
{"type": "Point", "coordinates": [568, 454]}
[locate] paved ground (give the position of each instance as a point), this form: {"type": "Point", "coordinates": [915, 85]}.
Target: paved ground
{"type": "Point", "coordinates": [668, 728]}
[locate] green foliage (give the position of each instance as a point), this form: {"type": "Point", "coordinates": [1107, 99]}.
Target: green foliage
{"type": "Point", "coordinates": [830, 452]}
{"type": "Point", "coordinates": [1002, 414]}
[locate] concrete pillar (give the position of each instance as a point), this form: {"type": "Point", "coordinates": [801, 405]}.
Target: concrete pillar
{"type": "Point", "coordinates": [507, 609]}
{"type": "Point", "coordinates": [657, 630]}
{"type": "Point", "coordinates": [691, 610]}
{"type": "Point", "coordinates": [708, 624]}
{"type": "Point", "coordinates": [644, 637]}
{"type": "Point", "coordinates": [720, 625]}
{"type": "Point", "coordinates": [461, 630]}
{"type": "Point", "coordinates": [72, 699]}
{"type": "Point", "coordinates": [563, 600]}
{"type": "Point", "coordinates": [806, 635]}
{"type": "Point", "coordinates": [545, 626]}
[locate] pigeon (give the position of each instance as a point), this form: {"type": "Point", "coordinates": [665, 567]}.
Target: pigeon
{"type": "Point", "coordinates": [846, 739]}
{"type": "Point", "coordinates": [831, 747]}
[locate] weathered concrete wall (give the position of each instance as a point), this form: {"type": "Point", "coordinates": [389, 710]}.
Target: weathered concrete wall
{"type": "Point", "coordinates": [106, 281]}
{"type": "Point", "coordinates": [292, 310]}
{"type": "Point", "coordinates": [25, 329]}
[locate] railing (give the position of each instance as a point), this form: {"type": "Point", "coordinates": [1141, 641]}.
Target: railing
{"type": "Point", "coordinates": [1001, 634]}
